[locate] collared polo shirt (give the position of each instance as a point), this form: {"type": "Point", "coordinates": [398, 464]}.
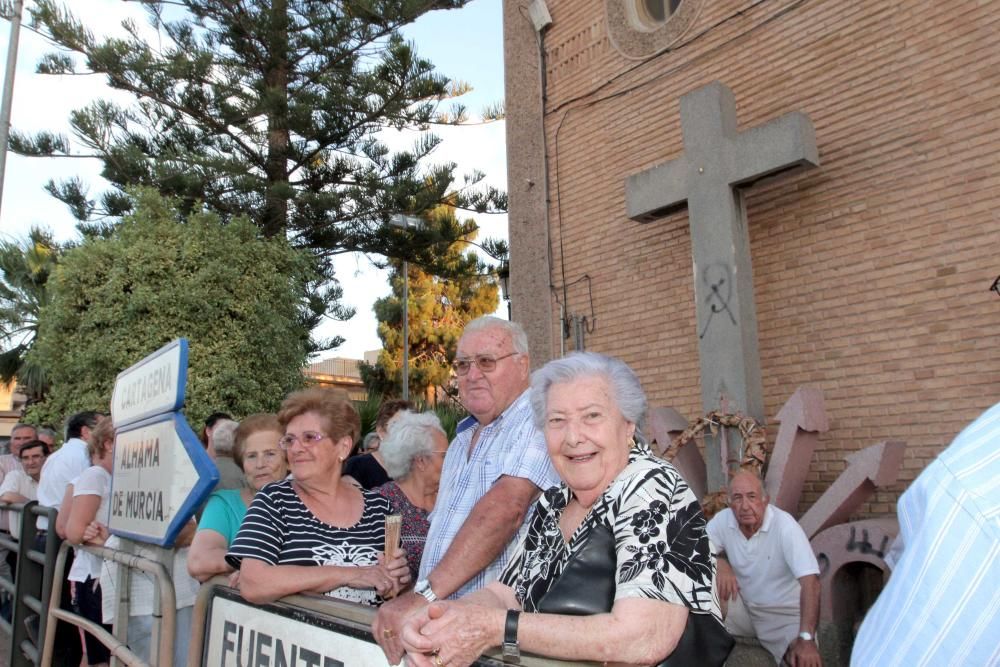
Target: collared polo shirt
{"type": "Point", "coordinates": [509, 445]}
{"type": "Point", "coordinates": [769, 564]}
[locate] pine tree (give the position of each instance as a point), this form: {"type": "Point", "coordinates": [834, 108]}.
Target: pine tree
{"type": "Point", "coordinates": [269, 109]}
{"type": "Point", "coordinates": [440, 307]}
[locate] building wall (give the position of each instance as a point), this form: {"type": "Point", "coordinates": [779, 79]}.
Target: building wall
{"type": "Point", "coordinates": [871, 272]}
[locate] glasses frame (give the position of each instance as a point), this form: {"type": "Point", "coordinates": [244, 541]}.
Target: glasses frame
{"type": "Point", "coordinates": [309, 440]}
{"type": "Point", "coordinates": [481, 361]}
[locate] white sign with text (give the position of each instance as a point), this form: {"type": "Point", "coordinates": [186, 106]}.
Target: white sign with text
{"type": "Point", "coordinates": [151, 387]}
{"type": "Point", "coordinates": [240, 634]}
{"type": "Point", "coordinates": [161, 472]}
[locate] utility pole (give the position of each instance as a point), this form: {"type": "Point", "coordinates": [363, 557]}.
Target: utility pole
{"type": "Point", "coordinates": [406, 222]}
{"type": "Point", "coordinates": [8, 90]}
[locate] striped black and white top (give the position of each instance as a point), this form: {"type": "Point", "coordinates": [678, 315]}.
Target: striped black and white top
{"type": "Point", "coordinates": [280, 530]}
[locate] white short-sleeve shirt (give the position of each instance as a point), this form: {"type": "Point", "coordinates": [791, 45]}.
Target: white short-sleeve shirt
{"type": "Point", "coordinates": [94, 481]}
{"type": "Point", "coordinates": [21, 483]}
{"type": "Point", "coordinates": [770, 563]}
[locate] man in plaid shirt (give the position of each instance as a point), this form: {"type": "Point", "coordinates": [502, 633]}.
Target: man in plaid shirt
{"type": "Point", "coordinates": [493, 472]}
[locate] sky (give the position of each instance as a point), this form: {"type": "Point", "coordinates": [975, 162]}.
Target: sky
{"type": "Point", "coordinates": [464, 44]}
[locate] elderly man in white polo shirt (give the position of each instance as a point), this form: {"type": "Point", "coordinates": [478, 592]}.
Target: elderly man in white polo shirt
{"type": "Point", "coordinates": [768, 577]}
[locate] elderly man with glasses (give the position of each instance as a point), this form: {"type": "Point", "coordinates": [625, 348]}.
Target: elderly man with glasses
{"type": "Point", "coordinates": [494, 471]}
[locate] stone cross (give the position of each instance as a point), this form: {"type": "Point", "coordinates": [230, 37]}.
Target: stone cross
{"type": "Point", "coordinates": [717, 162]}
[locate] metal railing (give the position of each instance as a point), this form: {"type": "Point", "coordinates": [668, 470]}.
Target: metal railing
{"type": "Point", "coordinates": [32, 584]}
{"type": "Point", "coordinates": [118, 647]}
{"type": "Point", "coordinates": [322, 611]}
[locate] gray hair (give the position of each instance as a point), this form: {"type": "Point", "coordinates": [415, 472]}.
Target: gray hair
{"type": "Point", "coordinates": [45, 430]}
{"type": "Point", "coordinates": [410, 436]}
{"type": "Point", "coordinates": [626, 390]}
{"type": "Point", "coordinates": [224, 437]}
{"type": "Point", "coordinates": [366, 443]}
{"type": "Point", "coordinates": [20, 425]}
{"type": "Point", "coordinates": [516, 332]}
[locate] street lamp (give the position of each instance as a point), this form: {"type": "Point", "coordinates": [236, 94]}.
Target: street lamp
{"type": "Point", "coordinates": [503, 273]}
{"type": "Point", "coordinates": [406, 222]}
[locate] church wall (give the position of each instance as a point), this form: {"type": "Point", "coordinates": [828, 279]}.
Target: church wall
{"type": "Point", "coordinates": [871, 272]}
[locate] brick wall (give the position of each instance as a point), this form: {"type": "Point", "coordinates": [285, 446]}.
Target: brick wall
{"type": "Point", "coordinates": [871, 273]}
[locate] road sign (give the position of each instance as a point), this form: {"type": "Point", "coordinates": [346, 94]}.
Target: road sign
{"type": "Point", "coordinates": [151, 387]}
{"type": "Point", "coordinates": [240, 633]}
{"type": "Point", "coordinates": [161, 475]}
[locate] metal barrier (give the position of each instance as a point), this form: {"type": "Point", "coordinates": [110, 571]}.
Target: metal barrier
{"type": "Point", "coordinates": [37, 592]}
{"type": "Point", "coordinates": [32, 584]}
{"type": "Point", "coordinates": [321, 614]}
{"type": "Point", "coordinates": [118, 647]}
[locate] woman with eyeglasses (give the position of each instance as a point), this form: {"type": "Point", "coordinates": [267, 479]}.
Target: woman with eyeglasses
{"type": "Point", "coordinates": [413, 450]}
{"type": "Point", "coordinates": [256, 451]}
{"type": "Point", "coordinates": [317, 532]}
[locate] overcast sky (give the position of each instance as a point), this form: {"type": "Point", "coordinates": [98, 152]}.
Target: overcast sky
{"type": "Point", "coordinates": [465, 44]}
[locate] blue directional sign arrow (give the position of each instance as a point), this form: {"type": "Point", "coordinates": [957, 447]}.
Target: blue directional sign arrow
{"type": "Point", "coordinates": [161, 475]}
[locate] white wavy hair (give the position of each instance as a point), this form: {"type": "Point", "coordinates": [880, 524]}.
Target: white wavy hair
{"type": "Point", "coordinates": [411, 435]}
{"type": "Point", "coordinates": [626, 390]}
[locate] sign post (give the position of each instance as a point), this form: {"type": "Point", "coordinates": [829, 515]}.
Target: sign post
{"type": "Point", "coordinates": [161, 473]}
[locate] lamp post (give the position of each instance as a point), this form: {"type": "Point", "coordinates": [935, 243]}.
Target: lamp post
{"type": "Point", "coordinates": [406, 222]}
{"type": "Point", "coordinates": [503, 273]}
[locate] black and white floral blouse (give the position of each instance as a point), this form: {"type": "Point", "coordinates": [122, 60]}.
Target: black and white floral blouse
{"type": "Point", "coordinates": [660, 539]}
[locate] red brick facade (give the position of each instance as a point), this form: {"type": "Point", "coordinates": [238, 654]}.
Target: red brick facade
{"type": "Point", "coordinates": [871, 272]}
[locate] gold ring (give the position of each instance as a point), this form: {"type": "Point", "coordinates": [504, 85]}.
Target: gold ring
{"type": "Point", "coordinates": [438, 661]}
{"type": "Point", "coordinates": [387, 633]}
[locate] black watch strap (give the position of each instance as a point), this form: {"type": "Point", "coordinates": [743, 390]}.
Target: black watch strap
{"type": "Point", "coordinates": [511, 651]}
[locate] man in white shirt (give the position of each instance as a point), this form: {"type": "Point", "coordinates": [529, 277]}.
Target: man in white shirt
{"type": "Point", "coordinates": [66, 463]}
{"type": "Point", "coordinates": [21, 486]}
{"type": "Point", "coordinates": [9, 463]}
{"type": "Point", "coordinates": [19, 435]}
{"type": "Point", "coordinates": [59, 470]}
{"type": "Point", "coordinates": [767, 574]}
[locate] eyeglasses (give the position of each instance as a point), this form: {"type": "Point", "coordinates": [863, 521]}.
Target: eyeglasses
{"type": "Point", "coordinates": [308, 439]}
{"type": "Point", "coordinates": [483, 362]}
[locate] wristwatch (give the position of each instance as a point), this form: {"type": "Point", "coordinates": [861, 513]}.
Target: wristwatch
{"type": "Point", "coordinates": [423, 588]}
{"type": "Point", "coordinates": [806, 636]}
{"type": "Point", "coordinates": [511, 651]}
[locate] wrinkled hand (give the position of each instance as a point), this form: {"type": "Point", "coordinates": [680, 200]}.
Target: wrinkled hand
{"type": "Point", "coordinates": [388, 577]}
{"type": "Point", "coordinates": [399, 569]}
{"type": "Point", "coordinates": [388, 625]}
{"type": "Point", "coordinates": [95, 533]}
{"type": "Point", "coordinates": [801, 653]}
{"type": "Point", "coordinates": [729, 588]}
{"type": "Point", "coordinates": [451, 633]}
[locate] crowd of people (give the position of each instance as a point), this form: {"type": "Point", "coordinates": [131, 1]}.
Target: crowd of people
{"type": "Point", "coordinates": [546, 525]}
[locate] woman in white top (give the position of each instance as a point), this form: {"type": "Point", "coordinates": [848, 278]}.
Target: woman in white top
{"type": "Point", "coordinates": [87, 500]}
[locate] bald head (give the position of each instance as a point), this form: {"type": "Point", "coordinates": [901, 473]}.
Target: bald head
{"type": "Point", "coordinates": [748, 501]}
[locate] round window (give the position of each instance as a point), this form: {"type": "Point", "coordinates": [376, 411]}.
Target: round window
{"type": "Point", "coordinates": [639, 28]}
{"type": "Point", "coordinates": [657, 12]}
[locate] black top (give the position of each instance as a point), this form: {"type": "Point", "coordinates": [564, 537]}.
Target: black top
{"type": "Point", "coordinates": [280, 530]}
{"type": "Point", "coordinates": [367, 470]}
{"type": "Point", "coordinates": [662, 545]}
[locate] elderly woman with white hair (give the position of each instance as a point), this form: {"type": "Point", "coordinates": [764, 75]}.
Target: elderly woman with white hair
{"type": "Point", "coordinates": [413, 450]}
{"type": "Point", "coordinates": [615, 566]}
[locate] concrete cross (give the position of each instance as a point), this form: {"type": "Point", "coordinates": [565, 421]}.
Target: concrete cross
{"type": "Point", "coordinates": [718, 161]}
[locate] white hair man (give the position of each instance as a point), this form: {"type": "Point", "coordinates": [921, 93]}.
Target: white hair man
{"type": "Point", "coordinates": [496, 467]}
{"type": "Point", "coordinates": [767, 574]}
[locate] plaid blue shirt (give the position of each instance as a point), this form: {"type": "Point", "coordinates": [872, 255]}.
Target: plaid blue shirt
{"type": "Point", "coordinates": [941, 606]}
{"type": "Point", "coordinates": [509, 445]}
